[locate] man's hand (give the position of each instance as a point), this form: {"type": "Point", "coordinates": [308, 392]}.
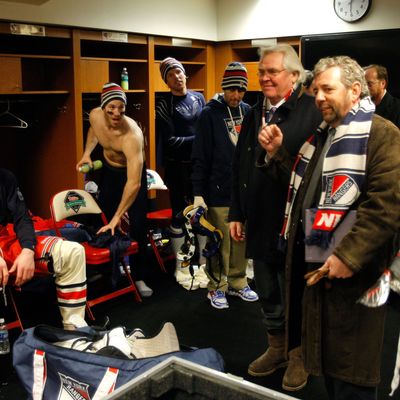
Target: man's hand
{"type": "Point", "coordinates": [198, 201]}
{"type": "Point", "coordinates": [237, 231]}
{"type": "Point", "coordinates": [3, 272]}
{"type": "Point", "coordinates": [84, 160]}
{"type": "Point", "coordinates": [270, 138]}
{"type": "Point", "coordinates": [111, 226]}
{"type": "Point", "coordinates": [24, 266]}
{"type": "Point", "coordinates": [333, 268]}
{"type": "Point", "coordinates": [337, 268]}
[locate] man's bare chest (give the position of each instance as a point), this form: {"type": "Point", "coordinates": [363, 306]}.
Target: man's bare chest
{"type": "Point", "coordinates": [112, 141]}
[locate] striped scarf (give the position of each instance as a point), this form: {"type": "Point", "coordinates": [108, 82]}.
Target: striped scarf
{"type": "Point", "coordinates": [343, 172]}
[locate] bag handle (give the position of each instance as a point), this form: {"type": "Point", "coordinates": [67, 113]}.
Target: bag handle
{"type": "Point", "coordinates": [39, 374]}
{"type": "Point", "coordinates": [107, 384]}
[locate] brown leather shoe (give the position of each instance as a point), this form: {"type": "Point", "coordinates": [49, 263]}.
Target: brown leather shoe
{"type": "Point", "coordinates": [272, 359]}
{"type": "Point", "coordinates": [295, 377]}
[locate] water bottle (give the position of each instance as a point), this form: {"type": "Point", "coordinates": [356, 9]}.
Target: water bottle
{"type": "Point", "coordinates": [4, 341]}
{"type": "Point", "coordinates": [85, 168]}
{"type": "Point", "coordinates": [124, 79]}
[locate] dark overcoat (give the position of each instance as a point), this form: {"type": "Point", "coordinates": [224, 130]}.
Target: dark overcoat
{"type": "Point", "coordinates": [341, 337]}
{"type": "Point", "coordinates": [257, 199]}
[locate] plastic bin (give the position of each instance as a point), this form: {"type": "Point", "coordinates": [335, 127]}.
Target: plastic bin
{"type": "Point", "coordinates": [178, 379]}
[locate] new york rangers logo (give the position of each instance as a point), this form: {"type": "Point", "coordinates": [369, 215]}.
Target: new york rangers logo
{"type": "Point", "coordinates": [233, 126]}
{"type": "Point", "coordinates": [340, 189]}
{"type": "Point", "coordinates": [72, 389]}
{"type": "Point", "coordinates": [74, 201]}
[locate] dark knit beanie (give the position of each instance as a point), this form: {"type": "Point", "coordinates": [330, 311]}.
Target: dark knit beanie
{"type": "Point", "coordinates": [112, 91]}
{"type": "Point", "coordinates": [235, 76]}
{"type": "Point", "coordinates": [168, 64]}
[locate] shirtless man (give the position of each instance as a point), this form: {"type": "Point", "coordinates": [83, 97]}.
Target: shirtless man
{"type": "Point", "coordinates": [122, 184]}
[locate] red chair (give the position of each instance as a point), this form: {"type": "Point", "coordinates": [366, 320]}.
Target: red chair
{"type": "Point", "coordinates": [159, 219]}
{"type": "Point", "coordinates": [17, 323]}
{"type": "Point", "coordinates": [73, 202]}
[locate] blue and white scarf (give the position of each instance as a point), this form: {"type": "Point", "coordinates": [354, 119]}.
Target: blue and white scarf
{"type": "Point", "coordinates": [343, 172]}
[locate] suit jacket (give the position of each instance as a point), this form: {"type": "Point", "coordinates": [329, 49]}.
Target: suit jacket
{"type": "Point", "coordinates": [389, 108]}
{"type": "Point", "coordinates": [257, 200]}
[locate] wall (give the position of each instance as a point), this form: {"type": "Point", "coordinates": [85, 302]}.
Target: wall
{"type": "Point", "coordinates": [217, 20]}
{"type": "Point", "coordinates": [178, 18]}
{"type": "Point", "coordinates": [251, 19]}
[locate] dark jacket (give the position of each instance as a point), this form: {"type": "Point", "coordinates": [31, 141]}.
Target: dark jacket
{"type": "Point", "coordinates": [257, 199]}
{"type": "Point", "coordinates": [176, 118]}
{"type": "Point", "coordinates": [213, 151]}
{"type": "Point", "coordinates": [341, 338]}
{"type": "Point", "coordinates": [389, 108]}
{"type": "Point", "coordinates": [13, 210]}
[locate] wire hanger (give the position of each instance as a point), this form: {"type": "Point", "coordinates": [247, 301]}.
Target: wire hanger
{"type": "Point", "coordinates": [85, 115]}
{"type": "Point", "coordinates": [11, 120]}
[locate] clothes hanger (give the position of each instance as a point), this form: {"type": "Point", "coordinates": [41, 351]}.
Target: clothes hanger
{"type": "Point", "coordinates": [85, 115]}
{"type": "Point", "coordinates": [15, 122]}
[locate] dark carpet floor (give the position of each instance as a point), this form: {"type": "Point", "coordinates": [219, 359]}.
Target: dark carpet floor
{"type": "Point", "coordinates": [236, 333]}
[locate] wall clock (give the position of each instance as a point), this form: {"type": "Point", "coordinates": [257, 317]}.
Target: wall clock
{"type": "Point", "coordinates": [351, 10]}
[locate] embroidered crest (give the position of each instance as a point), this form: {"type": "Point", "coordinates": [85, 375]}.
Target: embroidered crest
{"type": "Point", "coordinates": [74, 201]}
{"type": "Point", "coordinates": [340, 189]}
{"type": "Point", "coordinates": [72, 389]}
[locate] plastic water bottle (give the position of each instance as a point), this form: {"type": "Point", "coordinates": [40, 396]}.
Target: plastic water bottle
{"type": "Point", "coordinates": [85, 168]}
{"type": "Point", "coordinates": [124, 79]}
{"type": "Point", "coordinates": [4, 341]}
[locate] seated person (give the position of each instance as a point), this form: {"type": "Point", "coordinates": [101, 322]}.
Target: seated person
{"type": "Point", "coordinates": [21, 254]}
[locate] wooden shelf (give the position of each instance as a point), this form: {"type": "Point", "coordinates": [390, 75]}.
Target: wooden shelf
{"type": "Point", "coordinates": [128, 60]}
{"type": "Point", "coordinates": [25, 92]}
{"type": "Point", "coordinates": [37, 56]}
{"type": "Point", "coordinates": [126, 91]}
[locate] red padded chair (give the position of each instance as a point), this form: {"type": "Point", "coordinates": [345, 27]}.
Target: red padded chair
{"type": "Point", "coordinates": [70, 203]}
{"type": "Point", "coordinates": [159, 219]}
{"type": "Point", "coordinates": [17, 323]}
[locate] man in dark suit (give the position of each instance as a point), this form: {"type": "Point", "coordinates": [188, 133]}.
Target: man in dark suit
{"type": "Point", "coordinates": [258, 201]}
{"type": "Point", "coordinates": [387, 106]}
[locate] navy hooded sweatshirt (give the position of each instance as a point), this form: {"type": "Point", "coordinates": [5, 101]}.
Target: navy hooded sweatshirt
{"type": "Point", "coordinates": [213, 149]}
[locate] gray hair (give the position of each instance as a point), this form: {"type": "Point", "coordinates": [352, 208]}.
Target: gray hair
{"type": "Point", "coordinates": [291, 61]}
{"type": "Point", "coordinates": [351, 71]}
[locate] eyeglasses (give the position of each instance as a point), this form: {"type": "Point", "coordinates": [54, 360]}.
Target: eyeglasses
{"type": "Point", "coordinates": [272, 73]}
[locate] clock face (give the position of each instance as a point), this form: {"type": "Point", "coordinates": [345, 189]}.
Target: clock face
{"type": "Point", "coordinates": [351, 10]}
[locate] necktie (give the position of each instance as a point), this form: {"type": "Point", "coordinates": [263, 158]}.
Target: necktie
{"type": "Point", "coordinates": [268, 114]}
{"type": "Point", "coordinates": [311, 198]}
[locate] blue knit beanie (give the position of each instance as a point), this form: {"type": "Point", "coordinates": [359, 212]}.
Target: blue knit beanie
{"type": "Point", "coordinates": [167, 64]}
{"type": "Point", "coordinates": [235, 77]}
